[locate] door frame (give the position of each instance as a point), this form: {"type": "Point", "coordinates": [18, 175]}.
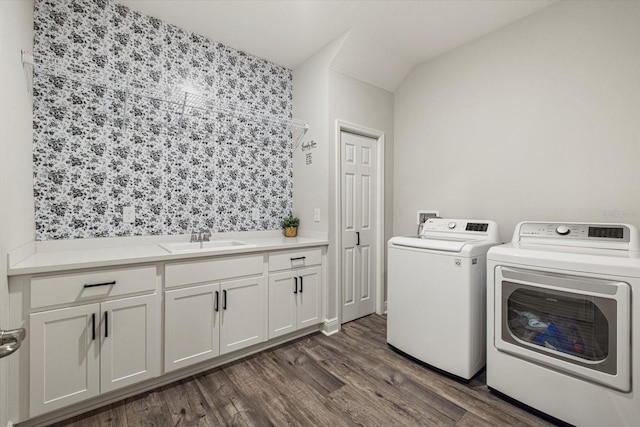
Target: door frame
{"type": "Point", "coordinates": [345, 126]}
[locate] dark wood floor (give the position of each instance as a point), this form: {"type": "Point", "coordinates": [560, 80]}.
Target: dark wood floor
{"type": "Point", "coordinates": [350, 378]}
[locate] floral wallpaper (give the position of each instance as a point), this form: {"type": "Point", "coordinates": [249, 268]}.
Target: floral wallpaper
{"type": "Point", "coordinates": [132, 111]}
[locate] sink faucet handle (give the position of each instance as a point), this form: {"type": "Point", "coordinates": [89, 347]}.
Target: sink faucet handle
{"type": "Point", "coordinates": [206, 234]}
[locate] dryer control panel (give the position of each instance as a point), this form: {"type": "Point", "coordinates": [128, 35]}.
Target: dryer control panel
{"type": "Point", "coordinates": [611, 232]}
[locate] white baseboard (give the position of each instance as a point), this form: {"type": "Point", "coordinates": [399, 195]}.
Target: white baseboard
{"type": "Point", "coordinates": [331, 326]}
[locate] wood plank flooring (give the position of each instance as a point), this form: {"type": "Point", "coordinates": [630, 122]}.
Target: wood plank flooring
{"type": "Point", "coordinates": [349, 379]}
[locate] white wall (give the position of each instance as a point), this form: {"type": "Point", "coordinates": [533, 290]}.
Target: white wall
{"type": "Point", "coordinates": [311, 104]}
{"type": "Point", "coordinates": [365, 105]}
{"type": "Point", "coordinates": [538, 121]}
{"type": "Point", "coordinates": [16, 188]}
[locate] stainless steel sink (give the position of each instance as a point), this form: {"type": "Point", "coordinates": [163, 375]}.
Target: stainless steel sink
{"type": "Point", "coordinates": [212, 245]}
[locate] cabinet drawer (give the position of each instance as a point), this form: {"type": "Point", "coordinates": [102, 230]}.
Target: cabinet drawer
{"type": "Point", "coordinates": [191, 272]}
{"type": "Point", "coordinates": [69, 288]}
{"type": "Point", "coordinates": [293, 259]}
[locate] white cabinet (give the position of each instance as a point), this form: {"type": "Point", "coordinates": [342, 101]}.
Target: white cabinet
{"type": "Point", "coordinates": [103, 330]}
{"type": "Point", "coordinates": [243, 315]}
{"type": "Point", "coordinates": [295, 294]}
{"type": "Point", "coordinates": [80, 352]}
{"type": "Point", "coordinates": [95, 347]}
{"type": "Point", "coordinates": [294, 300]}
{"type": "Point", "coordinates": [130, 344]}
{"type": "Point", "coordinates": [309, 300]}
{"type": "Point", "coordinates": [210, 319]}
{"type": "Point", "coordinates": [64, 358]}
{"type": "Point", "coordinates": [191, 323]}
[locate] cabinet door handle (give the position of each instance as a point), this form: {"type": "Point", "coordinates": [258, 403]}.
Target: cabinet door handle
{"type": "Point", "coordinates": [295, 285]}
{"type": "Point", "coordinates": [357, 238]}
{"type": "Point", "coordinates": [106, 324]}
{"type": "Point", "coordinates": [298, 258]}
{"type": "Point", "coordinates": [93, 285]}
{"type": "Point", "coordinates": [300, 284]}
{"type": "Point", "coordinates": [224, 299]}
{"type": "Point", "coordinates": [93, 326]}
{"type": "Point", "coordinates": [215, 307]}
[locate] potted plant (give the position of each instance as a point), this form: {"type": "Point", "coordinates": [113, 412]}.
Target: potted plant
{"type": "Point", "coordinates": [290, 225]}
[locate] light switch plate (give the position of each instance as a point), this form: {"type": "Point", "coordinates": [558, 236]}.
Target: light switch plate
{"type": "Point", "coordinates": [129, 214]}
{"type": "Point", "coordinates": [255, 214]}
{"type": "Point", "coordinates": [316, 214]}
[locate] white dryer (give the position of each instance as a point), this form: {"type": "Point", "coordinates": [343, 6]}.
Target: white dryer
{"type": "Point", "coordinates": [561, 333]}
{"type": "Point", "coordinates": [436, 294]}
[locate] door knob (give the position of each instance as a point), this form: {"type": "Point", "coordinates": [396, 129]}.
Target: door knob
{"type": "Point", "coordinates": [11, 340]}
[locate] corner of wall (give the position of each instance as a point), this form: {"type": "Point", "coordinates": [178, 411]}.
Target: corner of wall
{"type": "Point", "coordinates": [310, 159]}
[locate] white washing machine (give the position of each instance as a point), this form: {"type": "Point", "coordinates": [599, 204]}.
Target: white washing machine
{"type": "Point", "coordinates": [436, 294]}
{"type": "Point", "coordinates": [561, 333]}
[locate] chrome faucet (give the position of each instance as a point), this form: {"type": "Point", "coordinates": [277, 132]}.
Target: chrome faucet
{"type": "Point", "coordinates": [200, 236]}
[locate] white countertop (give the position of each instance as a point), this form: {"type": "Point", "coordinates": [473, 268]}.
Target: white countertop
{"type": "Point", "coordinates": [61, 260]}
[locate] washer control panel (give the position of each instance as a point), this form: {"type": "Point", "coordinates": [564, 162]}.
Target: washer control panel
{"type": "Point", "coordinates": [461, 230]}
{"type": "Point", "coordinates": [611, 232]}
{"type": "Point", "coordinates": [457, 225]}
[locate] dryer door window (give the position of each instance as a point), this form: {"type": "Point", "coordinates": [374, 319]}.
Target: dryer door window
{"type": "Point", "coordinates": [563, 322]}
{"type": "Point", "coordinates": [578, 325]}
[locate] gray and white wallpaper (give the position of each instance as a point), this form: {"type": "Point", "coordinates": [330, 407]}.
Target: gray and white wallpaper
{"type": "Point", "coordinates": [113, 127]}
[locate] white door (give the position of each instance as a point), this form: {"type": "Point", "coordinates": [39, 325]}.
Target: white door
{"type": "Point", "coordinates": [359, 198]}
{"type": "Point", "coordinates": [191, 329]}
{"type": "Point", "coordinates": [64, 357]}
{"type": "Point", "coordinates": [243, 317]}
{"type": "Point", "coordinates": [130, 344]}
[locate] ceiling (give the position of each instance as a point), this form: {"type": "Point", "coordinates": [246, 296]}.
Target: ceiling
{"type": "Point", "coordinates": [386, 38]}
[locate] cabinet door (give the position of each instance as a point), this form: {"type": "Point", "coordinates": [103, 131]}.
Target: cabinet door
{"type": "Point", "coordinates": [191, 330]}
{"type": "Point", "coordinates": [130, 341]}
{"type": "Point", "coordinates": [309, 297]}
{"type": "Point", "coordinates": [243, 317]}
{"type": "Point", "coordinates": [282, 304]}
{"type": "Point", "coordinates": [64, 357]}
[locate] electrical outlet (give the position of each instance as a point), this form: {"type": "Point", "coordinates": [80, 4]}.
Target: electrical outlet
{"type": "Point", "coordinates": [129, 214]}
{"type": "Point", "coordinates": [316, 214]}
{"type": "Point", "coordinates": [255, 214]}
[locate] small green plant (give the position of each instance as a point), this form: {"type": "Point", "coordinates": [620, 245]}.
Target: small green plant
{"type": "Point", "coordinates": [290, 221]}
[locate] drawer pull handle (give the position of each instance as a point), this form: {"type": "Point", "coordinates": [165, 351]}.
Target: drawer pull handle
{"type": "Point", "coordinates": [106, 324]}
{"type": "Point", "coordinates": [93, 326]}
{"type": "Point", "coordinates": [215, 307]}
{"type": "Point", "coordinates": [298, 258]}
{"type": "Point", "coordinates": [295, 285]}
{"type": "Point", "coordinates": [93, 285]}
{"type": "Point", "coordinates": [224, 299]}
{"type": "Point", "coordinates": [300, 284]}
